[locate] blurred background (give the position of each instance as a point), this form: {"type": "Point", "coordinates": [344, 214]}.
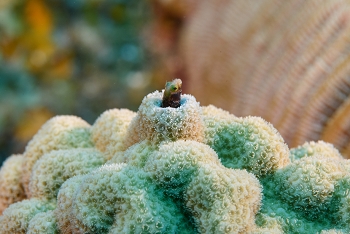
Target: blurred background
{"type": "Point", "coordinates": [65, 57]}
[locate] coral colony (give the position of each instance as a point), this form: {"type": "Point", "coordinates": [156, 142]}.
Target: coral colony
{"type": "Point", "coordinates": [172, 167]}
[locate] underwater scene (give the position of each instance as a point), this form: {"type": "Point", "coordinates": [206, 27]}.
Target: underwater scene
{"type": "Point", "coordinates": [126, 116]}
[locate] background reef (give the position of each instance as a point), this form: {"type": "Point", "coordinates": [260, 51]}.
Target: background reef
{"type": "Point", "coordinates": [70, 57]}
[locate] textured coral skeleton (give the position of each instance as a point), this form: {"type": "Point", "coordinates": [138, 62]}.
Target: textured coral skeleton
{"type": "Point", "coordinates": [190, 169]}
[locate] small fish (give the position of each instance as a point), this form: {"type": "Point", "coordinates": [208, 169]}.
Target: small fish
{"type": "Point", "coordinates": [172, 94]}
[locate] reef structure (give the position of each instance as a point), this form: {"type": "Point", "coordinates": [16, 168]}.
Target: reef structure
{"type": "Point", "coordinates": [182, 168]}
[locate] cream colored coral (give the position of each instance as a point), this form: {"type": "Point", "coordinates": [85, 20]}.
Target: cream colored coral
{"type": "Point", "coordinates": [60, 132]}
{"type": "Point", "coordinates": [16, 218]}
{"type": "Point", "coordinates": [158, 124]}
{"type": "Point", "coordinates": [309, 149]}
{"type": "Point", "coordinates": [211, 111]}
{"type": "Point", "coordinates": [109, 130]}
{"type": "Point", "coordinates": [64, 203]}
{"type": "Point", "coordinates": [223, 200]}
{"type": "Point", "coordinates": [136, 155]}
{"type": "Point", "coordinates": [55, 167]}
{"type": "Point", "coordinates": [11, 189]}
{"type": "Point", "coordinates": [44, 222]}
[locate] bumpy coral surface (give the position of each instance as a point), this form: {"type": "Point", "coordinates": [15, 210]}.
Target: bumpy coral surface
{"type": "Point", "coordinates": [315, 148]}
{"type": "Point", "coordinates": [64, 204]}
{"type": "Point", "coordinates": [53, 168]}
{"type": "Point", "coordinates": [309, 183]}
{"type": "Point", "coordinates": [110, 197]}
{"type": "Point", "coordinates": [310, 194]}
{"type": "Point", "coordinates": [11, 189]}
{"type": "Point", "coordinates": [157, 124]}
{"type": "Point", "coordinates": [44, 222]}
{"type": "Point", "coordinates": [188, 169]}
{"type": "Point", "coordinates": [61, 132]}
{"type": "Point", "coordinates": [136, 155]}
{"type": "Point", "coordinates": [16, 217]}
{"type": "Point", "coordinates": [185, 169]}
{"type": "Point", "coordinates": [231, 203]}
{"type": "Point", "coordinates": [174, 165]}
{"type": "Point", "coordinates": [109, 130]}
{"type": "Point", "coordinates": [250, 143]}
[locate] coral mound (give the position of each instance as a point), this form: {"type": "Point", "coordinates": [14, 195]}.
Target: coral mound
{"type": "Point", "coordinates": [60, 132]}
{"type": "Point", "coordinates": [184, 169]}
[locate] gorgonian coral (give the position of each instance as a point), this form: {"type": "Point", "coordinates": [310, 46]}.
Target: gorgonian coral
{"type": "Point", "coordinates": [181, 168]}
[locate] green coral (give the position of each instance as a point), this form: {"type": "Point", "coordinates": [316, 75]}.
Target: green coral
{"type": "Point", "coordinates": [308, 196]}
{"type": "Point", "coordinates": [110, 197]}
{"type": "Point", "coordinates": [223, 200]}
{"type": "Point", "coordinates": [340, 202]}
{"type": "Point", "coordinates": [189, 169]}
{"type": "Point", "coordinates": [175, 163]}
{"type": "Point", "coordinates": [220, 199]}
{"type": "Point", "coordinates": [44, 222]}
{"type": "Point", "coordinates": [248, 143]}
{"type": "Point", "coordinates": [16, 218]}
{"type": "Point", "coordinates": [308, 184]}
